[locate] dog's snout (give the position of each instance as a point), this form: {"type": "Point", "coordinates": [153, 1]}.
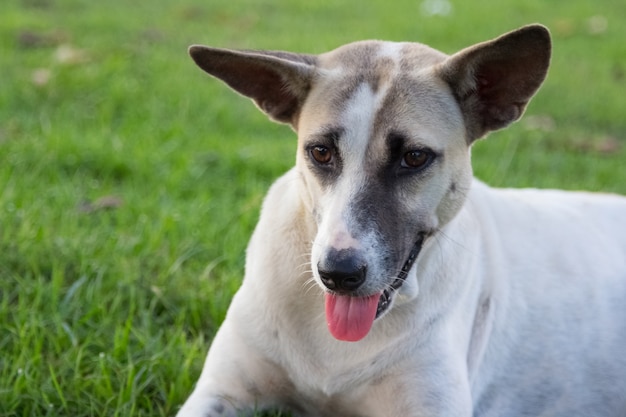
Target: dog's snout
{"type": "Point", "coordinates": [342, 271]}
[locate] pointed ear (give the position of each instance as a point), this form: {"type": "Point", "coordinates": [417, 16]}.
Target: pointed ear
{"type": "Point", "coordinates": [494, 81]}
{"type": "Point", "coordinates": [278, 82]}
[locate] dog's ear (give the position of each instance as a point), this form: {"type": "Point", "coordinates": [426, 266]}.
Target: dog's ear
{"type": "Point", "coordinates": [494, 81]}
{"type": "Point", "coordinates": [278, 82]}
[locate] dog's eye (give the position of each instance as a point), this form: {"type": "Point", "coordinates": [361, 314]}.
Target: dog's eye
{"type": "Point", "coordinates": [321, 154]}
{"type": "Point", "coordinates": [416, 159]}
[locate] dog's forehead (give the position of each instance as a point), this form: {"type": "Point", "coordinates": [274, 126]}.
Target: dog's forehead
{"type": "Point", "coordinates": [383, 66]}
{"type": "Point", "coordinates": [396, 76]}
{"type": "Point", "coordinates": [374, 59]}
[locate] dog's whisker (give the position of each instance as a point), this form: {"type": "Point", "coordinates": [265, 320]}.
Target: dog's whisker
{"type": "Point", "coordinates": [307, 272]}
{"type": "Point", "coordinates": [309, 288]}
{"type": "Point", "coordinates": [310, 285]}
{"type": "Point", "coordinates": [304, 268]}
{"type": "Point", "coordinates": [307, 263]}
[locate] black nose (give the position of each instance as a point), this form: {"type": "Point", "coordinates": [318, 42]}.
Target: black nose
{"type": "Point", "coordinates": [342, 271]}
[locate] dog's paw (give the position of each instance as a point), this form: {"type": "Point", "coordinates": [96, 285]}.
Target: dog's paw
{"type": "Point", "coordinates": [208, 407]}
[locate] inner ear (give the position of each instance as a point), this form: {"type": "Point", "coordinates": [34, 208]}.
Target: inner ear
{"type": "Point", "coordinates": [278, 82]}
{"type": "Point", "coordinates": [494, 81]}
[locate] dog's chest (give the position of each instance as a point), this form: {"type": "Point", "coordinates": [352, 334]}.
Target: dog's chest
{"type": "Point", "coordinates": [337, 383]}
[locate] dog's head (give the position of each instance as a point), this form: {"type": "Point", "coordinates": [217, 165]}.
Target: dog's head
{"type": "Point", "coordinates": [384, 131]}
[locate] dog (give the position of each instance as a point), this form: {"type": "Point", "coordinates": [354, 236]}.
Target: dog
{"type": "Point", "coordinates": [383, 280]}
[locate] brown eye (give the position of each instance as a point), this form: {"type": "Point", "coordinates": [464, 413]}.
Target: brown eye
{"type": "Point", "coordinates": [416, 159]}
{"type": "Point", "coordinates": [321, 154]}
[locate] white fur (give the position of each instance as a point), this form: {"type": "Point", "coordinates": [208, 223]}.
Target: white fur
{"type": "Point", "coordinates": [516, 305]}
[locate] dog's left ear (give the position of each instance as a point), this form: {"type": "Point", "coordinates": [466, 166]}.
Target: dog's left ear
{"type": "Point", "coordinates": [494, 81]}
{"type": "Point", "coordinates": [278, 82]}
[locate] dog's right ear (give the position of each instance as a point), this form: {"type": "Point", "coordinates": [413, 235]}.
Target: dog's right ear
{"type": "Point", "coordinates": [278, 82]}
{"type": "Point", "coordinates": [494, 81]}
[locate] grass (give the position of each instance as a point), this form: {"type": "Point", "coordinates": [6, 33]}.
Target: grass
{"type": "Point", "coordinates": [130, 182]}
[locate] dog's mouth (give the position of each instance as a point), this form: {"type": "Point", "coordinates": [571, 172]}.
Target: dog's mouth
{"type": "Point", "coordinates": [350, 318]}
{"type": "Point", "coordinates": [385, 300]}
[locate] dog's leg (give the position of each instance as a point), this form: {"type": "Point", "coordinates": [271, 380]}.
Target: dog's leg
{"type": "Point", "coordinates": [235, 380]}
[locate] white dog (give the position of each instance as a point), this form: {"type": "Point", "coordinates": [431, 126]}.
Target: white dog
{"type": "Point", "coordinates": [382, 280]}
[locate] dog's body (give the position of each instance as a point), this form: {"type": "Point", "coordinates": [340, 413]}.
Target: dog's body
{"type": "Point", "coordinates": [515, 304]}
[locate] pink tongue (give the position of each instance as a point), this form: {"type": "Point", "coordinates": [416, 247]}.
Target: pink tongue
{"type": "Point", "coordinates": [350, 318]}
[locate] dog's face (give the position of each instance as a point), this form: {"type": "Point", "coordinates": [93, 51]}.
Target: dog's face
{"type": "Point", "coordinates": [384, 131]}
{"type": "Point", "coordinates": [384, 159]}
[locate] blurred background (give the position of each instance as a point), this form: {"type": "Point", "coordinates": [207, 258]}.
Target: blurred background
{"type": "Point", "coordinates": [130, 181]}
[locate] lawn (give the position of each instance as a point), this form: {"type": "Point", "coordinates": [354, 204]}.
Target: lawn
{"type": "Point", "coordinates": [130, 181]}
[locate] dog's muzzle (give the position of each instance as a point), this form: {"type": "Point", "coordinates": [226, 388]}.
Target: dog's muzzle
{"type": "Point", "coordinates": [350, 317]}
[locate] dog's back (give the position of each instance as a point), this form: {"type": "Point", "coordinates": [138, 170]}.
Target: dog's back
{"type": "Point", "coordinates": [559, 329]}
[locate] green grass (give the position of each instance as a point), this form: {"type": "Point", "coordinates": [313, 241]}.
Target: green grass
{"type": "Point", "coordinates": [130, 182]}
